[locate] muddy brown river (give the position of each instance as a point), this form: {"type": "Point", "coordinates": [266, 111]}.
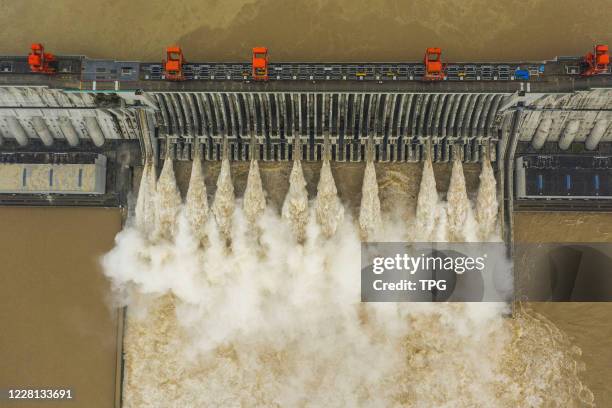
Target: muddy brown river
{"type": "Point", "coordinates": [57, 327]}
{"type": "Point", "coordinates": [58, 330]}
{"type": "Point", "coordinates": [358, 30]}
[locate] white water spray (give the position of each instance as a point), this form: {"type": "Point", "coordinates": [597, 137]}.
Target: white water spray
{"type": "Point", "coordinates": [427, 205]}
{"type": "Point", "coordinates": [328, 209]}
{"type": "Point", "coordinates": [143, 196]}
{"type": "Point", "coordinates": [196, 202]}
{"type": "Point", "coordinates": [370, 219]}
{"type": "Point", "coordinates": [459, 217]}
{"type": "Point", "coordinates": [254, 202]}
{"type": "Point", "coordinates": [288, 329]}
{"type": "Point", "coordinates": [168, 203]}
{"type": "Point", "coordinates": [145, 204]}
{"type": "Point", "coordinates": [223, 204]}
{"type": "Point", "coordinates": [486, 202]}
{"type": "Point", "coordinates": [295, 207]}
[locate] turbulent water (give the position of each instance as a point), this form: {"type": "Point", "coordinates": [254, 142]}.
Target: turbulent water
{"type": "Point", "coordinates": [223, 204]}
{"type": "Point", "coordinates": [145, 205]}
{"type": "Point", "coordinates": [295, 207]}
{"type": "Point", "coordinates": [196, 203]}
{"type": "Point", "coordinates": [460, 222]}
{"type": "Point", "coordinates": [486, 203]}
{"type": "Point", "coordinates": [254, 202]}
{"type": "Point", "coordinates": [278, 322]}
{"type": "Point", "coordinates": [427, 212]}
{"type": "Point", "coordinates": [168, 203]}
{"type": "Point", "coordinates": [370, 220]}
{"type": "Point", "coordinates": [328, 208]}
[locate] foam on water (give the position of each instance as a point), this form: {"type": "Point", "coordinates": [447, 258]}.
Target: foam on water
{"type": "Point", "coordinates": [279, 323]}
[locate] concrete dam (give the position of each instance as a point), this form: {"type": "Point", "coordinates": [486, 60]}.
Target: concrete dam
{"type": "Point", "coordinates": [249, 188]}
{"type": "Point", "coordinates": [530, 112]}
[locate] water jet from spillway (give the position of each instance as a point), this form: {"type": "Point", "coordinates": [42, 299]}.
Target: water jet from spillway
{"type": "Point", "coordinates": [486, 202]}
{"type": "Point", "coordinates": [145, 203]}
{"type": "Point", "coordinates": [427, 205]}
{"type": "Point", "coordinates": [328, 209]}
{"type": "Point", "coordinates": [458, 211]}
{"type": "Point", "coordinates": [196, 202]}
{"type": "Point", "coordinates": [168, 203]}
{"type": "Point", "coordinates": [295, 206]}
{"type": "Point", "coordinates": [288, 329]}
{"type": "Point", "coordinates": [370, 219]}
{"type": "Point", "coordinates": [254, 202]}
{"type": "Point", "coordinates": [223, 204]}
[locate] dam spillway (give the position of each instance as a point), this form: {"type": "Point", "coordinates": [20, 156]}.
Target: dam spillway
{"type": "Point", "coordinates": [291, 152]}
{"type": "Point", "coordinates": [129, 111]}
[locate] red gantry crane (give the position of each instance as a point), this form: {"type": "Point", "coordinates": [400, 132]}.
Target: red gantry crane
{"type": "Point", "coordinates": [40, 61]}
{"type": "Point", "coordinates": [596, 63]}
{"type": "Point", "coordinates": [434, 69]}
{"type": "Point", "coordinates": [173, 64]}
{"type": "Point", "coordinates": [260, 64]}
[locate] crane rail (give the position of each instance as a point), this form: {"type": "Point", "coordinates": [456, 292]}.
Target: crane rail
{"type": "Point", "coordinates": [89, 70]}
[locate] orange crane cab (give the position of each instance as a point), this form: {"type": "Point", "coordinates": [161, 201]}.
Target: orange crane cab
{"type": "Point", "coordinates": [40, 61]}
{"type": "Point", "coordinates": [173, 64]}
{"type": "Point", "coordinates": [596, 63]}
{"type": "Point", "coordinates": [260, 64]}
{"type": "Point", "coordinates": [434, 69]}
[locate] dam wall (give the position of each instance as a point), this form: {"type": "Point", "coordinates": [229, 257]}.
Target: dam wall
{"type": "Point", "coordinates": [398, 124]}
{"type": "Point", "coordinates": [349, 113]}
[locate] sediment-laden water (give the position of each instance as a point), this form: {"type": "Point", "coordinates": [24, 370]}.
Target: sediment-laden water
{"type": "Point", "coordinates": [277, 321]}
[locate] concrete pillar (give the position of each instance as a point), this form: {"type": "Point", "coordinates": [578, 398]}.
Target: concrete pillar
{"type": "Point", "coordinates": [94, 130]}
{"type": "Point", "coordinates": [187, 108]}
{"type": "Point", "coordinates": [163, 108]}
{"type": "Point", "coordinates": [42, 130]}
{"type": "Point", "coordinates": [541, 133]}
{"type": "Point", "coordinates": [178, 113]}
{"type": "Point", "coordinates": [569, 134]}
{"type": "Point", "coordinates": [69, 131]}
{"type": "Point", "coordinates": [17, 130]}
{"type": "Point", "coordinates": [596, 134]}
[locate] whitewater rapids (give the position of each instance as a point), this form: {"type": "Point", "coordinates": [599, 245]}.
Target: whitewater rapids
{"type": "Point", "coordinates": [219, 316]}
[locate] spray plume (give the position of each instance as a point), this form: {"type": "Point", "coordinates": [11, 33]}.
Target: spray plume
{"type": "Point", "coordinates": [458, 204]}
{"type": "Point", "coordinates": [328, 209]}
{"type": "Point", "coordinates": [254, 202]}
{"type": "Point", "coordinates": [486, 202]}
{"type": "Point", "coordinates": [427, 204]}
{"type": "Point", "coordinates": [370, 219]}
{"type": "Point", "coordinates": [196, 203]}
{"type": "Point", "coordinates": [168, 202]}
{"type": "Point", "coordinates": [223, 204]}
{"type": "Point", "coordinates": [295, 207]}
{"type": "Point", "coordinates": [208, 328]}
